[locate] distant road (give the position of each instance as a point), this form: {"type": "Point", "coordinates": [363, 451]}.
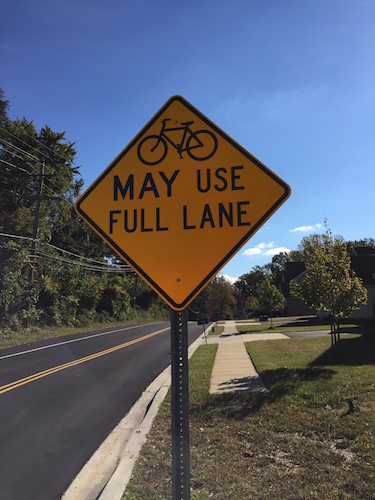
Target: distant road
{"type": "Point", "coordinates": [59, 400]}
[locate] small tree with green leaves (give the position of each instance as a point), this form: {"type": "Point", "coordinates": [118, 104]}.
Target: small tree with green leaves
{"type": "Point", "coordinates": [329, 285]}
{"type": "Point", "coordinates": [270, 299]}
{"type": "Point", "coordinates": [251, 305]}
{"type": "Point", "coordinates": [220, 299]}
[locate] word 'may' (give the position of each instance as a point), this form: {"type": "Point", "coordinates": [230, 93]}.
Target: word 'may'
{"type": "Point", "coordinates": [219, 179]}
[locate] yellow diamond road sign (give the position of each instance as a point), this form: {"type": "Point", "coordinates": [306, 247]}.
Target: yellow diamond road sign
{"type": "Point", "coordinates": [180, 200]}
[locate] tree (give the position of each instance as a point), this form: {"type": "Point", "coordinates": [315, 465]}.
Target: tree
{"type": "Point", "coordinates": [365, 242]}
{"type": "Point", "coordinates": [270, 299]}
{"type": "Point", "coordinates": [57, 273]}
{"type": "Point", "coordinates": [220, 299]}
{"type": "Point", "coordinates": [4, 105]}
{"type": "Point", "coordinates": [251, 305]}
{"type": "Point", "coordinates": [248, 285]}
{"type": "Point", "coordinates": [329, 284]}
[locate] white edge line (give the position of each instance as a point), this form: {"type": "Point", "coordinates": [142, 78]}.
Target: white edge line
{"type": "Point", "coordinates": [49, 346]}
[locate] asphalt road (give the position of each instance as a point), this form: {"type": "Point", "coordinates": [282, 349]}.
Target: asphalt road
{"type": "Point", "coordinates": [60, 400]}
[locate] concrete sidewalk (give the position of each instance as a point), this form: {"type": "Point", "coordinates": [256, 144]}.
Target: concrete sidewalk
{"type": "Point", "coordinates": [233, 369]}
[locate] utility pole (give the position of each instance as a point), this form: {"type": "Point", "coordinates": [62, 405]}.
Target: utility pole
{"type": "Point", "coordinates": [35, 235]}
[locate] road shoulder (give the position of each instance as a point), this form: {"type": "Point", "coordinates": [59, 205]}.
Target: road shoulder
{"type": "Point", "coordinates": [108, 471]}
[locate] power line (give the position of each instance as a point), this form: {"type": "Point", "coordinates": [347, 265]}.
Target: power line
{"type": "Point", "coordinates": [50, 149]}
{"type": "Point", "coordinates": [29, 145]}
{"type": "Point", "coordinates": [51, 257]}
{"type": "Point", "coordinates": [12, 178]}
{"type": "Point", "coordinates": [23, 159]}
{"type": "Point", "coordinates": [13, 154]}
{"type": "Point", "coordinates": [19, 149]}
{"type": "Point", "coordinates": [69, 223]}
{"type": "Point", "coordinates": [20, 158]}
{"type": "Point", "coordinates": [23, 142]}
{"type": "Point", "coordinates": [102, 265]}
{"type": "Point", "coordinates": [84, 265]}
{"type": "Point", "coordinates": [11, 236]}
{"type": "Point", "coordinates": [26, 171]}
{"type": "Point", "coordinates": [40, 144]}
{"type": "Point", "coordinates": [15, 166]}
{"type": "Point", "coordinates": [34, 148]}
{"type": "Point", "coordinates": [45, 178]}
{"type": "Point", "coordinates": [9, 144]}
{"type": "Point", "coordinates": [81, 257]}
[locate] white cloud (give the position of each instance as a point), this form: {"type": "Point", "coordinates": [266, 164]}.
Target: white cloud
{"type": "Point", "coordinates": [267, 249]}
{"type": "Point", "coordinates": [276, 251]}
{"type": "Point", "coordinates": [305, 229]}
{"type": "Point", "coordinates": [258, 250]}
{"type": "Point", "coordinates": [252, 251]}
{"type": "Point", "coordinates": [229, 278]}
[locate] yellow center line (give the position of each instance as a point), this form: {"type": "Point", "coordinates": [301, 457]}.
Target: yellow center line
{"type": "Point", "coordinates": [55, 369]}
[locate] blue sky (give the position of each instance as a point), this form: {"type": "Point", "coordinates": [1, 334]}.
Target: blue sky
{"type": "Point", "coordinates": [292, 81]}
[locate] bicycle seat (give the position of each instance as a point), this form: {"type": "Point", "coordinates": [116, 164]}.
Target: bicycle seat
{"type": "Point", "coordinates": [187, 123]}
{"type": "Point", "coordinates": [166, 120]}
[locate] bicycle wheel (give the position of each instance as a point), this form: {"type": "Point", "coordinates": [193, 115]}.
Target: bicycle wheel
{"type": "Point", "coordinates": [203, 143]}
{"type": "Point", "coordinates": [152, 150]}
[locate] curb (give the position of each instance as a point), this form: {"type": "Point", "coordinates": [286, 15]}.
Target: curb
{"type": "Point", "coordinates": [107, 473]}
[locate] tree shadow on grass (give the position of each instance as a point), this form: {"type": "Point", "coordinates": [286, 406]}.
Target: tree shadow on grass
{"type": "Point", "coordinates": [284, 381]}
{"type": "Point", "coordinates": [354, 351]}
{"type": "Point", "coordinates": [236, 405]}
{"type": "Point", "coordinates": [280, 382]}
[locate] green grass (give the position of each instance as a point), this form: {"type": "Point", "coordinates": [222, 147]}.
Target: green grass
{"type": "Point", "coordinates": [25, 336]}
{"type": "Point", "coordinates": [297, 441]}
{"type": "Point", "coordinates": [10, 338]}
{"type": "Point", "coordinates": [266, 328]}
{"type": "Point", "coordinates": [298, 324]}
{"type": "Point", "coordinates": [218, 330]}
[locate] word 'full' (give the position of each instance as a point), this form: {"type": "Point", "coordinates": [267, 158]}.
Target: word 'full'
{"type": "Point", "coordinates": [142, 220]}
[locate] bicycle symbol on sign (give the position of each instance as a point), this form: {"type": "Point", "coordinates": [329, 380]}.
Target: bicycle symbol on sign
{"type": "Point", "coordinates": [200, 145]}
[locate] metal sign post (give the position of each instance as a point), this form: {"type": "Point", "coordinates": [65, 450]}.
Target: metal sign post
{"type": "Point", "coordinates": [180, 407]}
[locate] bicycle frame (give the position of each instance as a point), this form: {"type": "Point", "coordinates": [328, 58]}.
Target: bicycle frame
{"type": "Point", "coordinates": [185, 128]}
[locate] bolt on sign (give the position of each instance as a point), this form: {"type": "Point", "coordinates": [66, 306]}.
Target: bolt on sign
{"type": "Point", "coordinates": [180, 200]}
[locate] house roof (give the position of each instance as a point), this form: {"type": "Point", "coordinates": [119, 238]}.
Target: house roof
{"type": "Point", "coordinates": [362, 251]}
{"type": "Point", "coordinates": [293, 269]}
{"type": "Point", "coordinates": [363, 264]}
{"type": "Point", "coordinates": [364, 267]}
